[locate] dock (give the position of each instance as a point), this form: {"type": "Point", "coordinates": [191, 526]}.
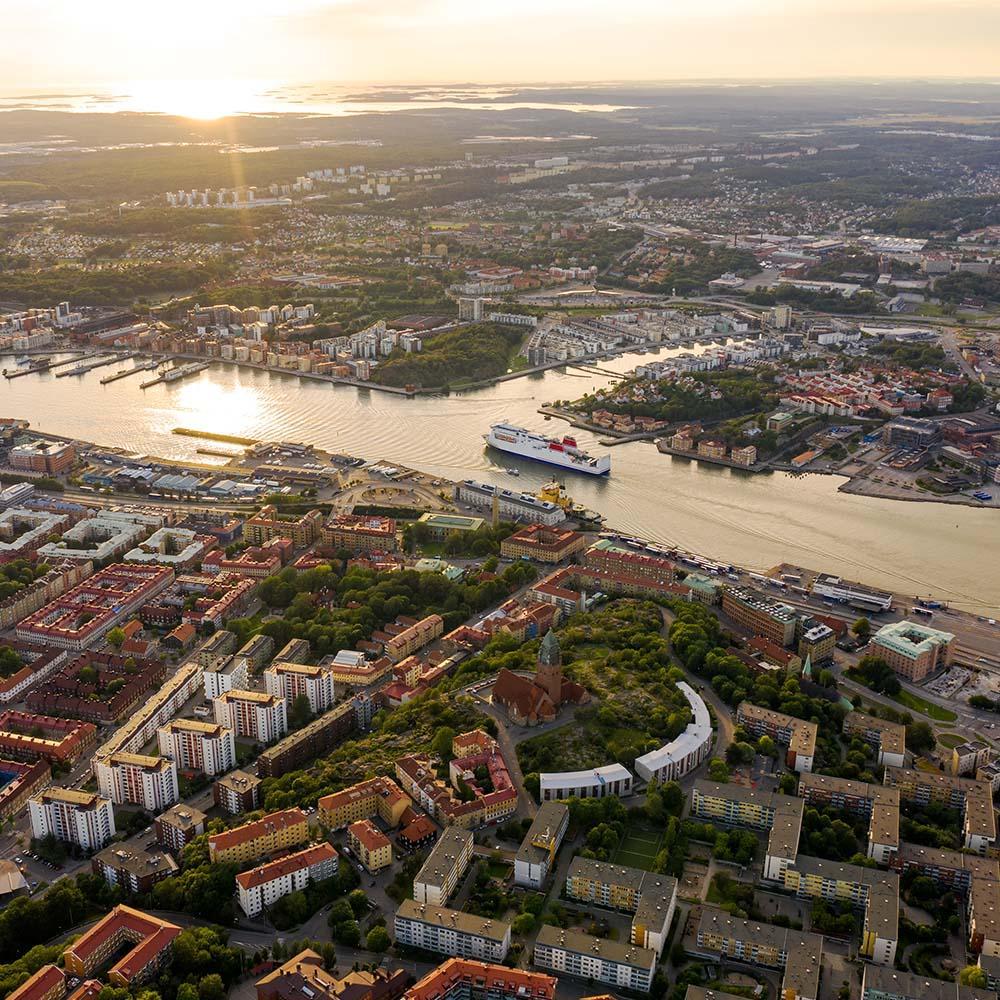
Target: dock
{"type": "Point", "coordinates": [86, 366]}
{"type": "Point", "coordinates": [149, 366]}
{"type": "Point", "coordinates": [42, 366]}
{"type": "Point", "coordinates": [176, 374]}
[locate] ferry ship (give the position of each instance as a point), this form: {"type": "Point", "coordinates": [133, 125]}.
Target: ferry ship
{"type": "Point", "coordinates": [564, 453]}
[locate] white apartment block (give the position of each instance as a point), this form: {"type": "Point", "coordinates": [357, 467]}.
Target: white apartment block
{"type": "Point", "coordinates": [74, 817]}
{"type": "Point", "coordinates": [198, 746]}
{"type": "Point", "coordinates": [261, 887]}
{"type": "Point", "coordinates": [225, 673]}
{"type": "Point", "coordinates": [442, 872]}
{"type": "Point", "coordinates": [451, 932]}
{"type": "Point", "coordinates": [253, 714]}
{"type": "Point", "coordinates": [289, 680]}
{"type": "Point", "coordinates": [135, 779]}
{"type": "Point", "coordinates": [107, 535]}
{"type": "Point", "coordinates": [572, 953]}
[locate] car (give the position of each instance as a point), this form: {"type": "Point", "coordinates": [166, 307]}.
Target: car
{"type": "Point", "coordinates": [19, 860]}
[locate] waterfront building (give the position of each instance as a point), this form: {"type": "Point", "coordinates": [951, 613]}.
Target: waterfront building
{"type": "Point", "coordinates": [837, 589]}
{"type": "Point", "coordinates": [52, 458]}
{"type": "Point", "coordinates": [536, 856]}
{"type": "Point", "coordinates": [913, 650]}
{"type": "Point", "coordinates": [509, 505]}
{"type": "Point", "coordinates": [74, 817]}
{"type": "Point", "coordinates": [451, 932]}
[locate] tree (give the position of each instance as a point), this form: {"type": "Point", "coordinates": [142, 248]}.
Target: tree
{"type": "Point", "coordinates": [972, 975]}
{"type": "Point", "coordinates": [116, 637]}
{"type": "Point", "coordinates": [211, 987]}
{"type": "Point", "coordinates": [441, 744]}
{"type": "Point", "coordinates": [339, 912]}
{"type": "Point", "coordinates": [920, 737]}
{"type": "Point", "coordinates": [717, 769]}
{"type": "Point", "coordinates": [299, 712]}
{"type": "Point", "coordinates": [358, 901]}
{"type": "Point", "coordinates": [187, 991]}
{"type": "Point", "coordinates": [523, 923]}
{"type": "Point", "coordinates": [347, 933]}
{"type": "Point", "coordinates": [862, 628]}
{"type": "Point", "coordinates": [378, 939]}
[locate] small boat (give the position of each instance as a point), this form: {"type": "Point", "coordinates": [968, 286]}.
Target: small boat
{"type": "Point", "coordinates": [512, 472]}
{"type": "Point", "coordinates": [23, 360]}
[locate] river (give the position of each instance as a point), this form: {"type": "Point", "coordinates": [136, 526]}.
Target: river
{"type": "Point", "coordinates": [949, 552]}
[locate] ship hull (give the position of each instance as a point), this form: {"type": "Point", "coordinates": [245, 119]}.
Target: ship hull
{"type": "Point", "coordinates": [601, 467]}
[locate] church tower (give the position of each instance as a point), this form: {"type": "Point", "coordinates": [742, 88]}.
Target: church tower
{"type": "Point", "coordinates": [549, 674]}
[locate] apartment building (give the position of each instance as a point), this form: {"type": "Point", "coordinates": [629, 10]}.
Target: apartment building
{"type": "Point", "coordinates": [953, 871]}
{"type": "Point", "coordinates": [268, 524]}
{"type": "Point", "coordinates": [759, 615]}
{"type": "Point", "coordinates": [276, 831]}
{"type": "Point", "coordinates": [888, 738]}
{"type": "Point", "coordinates": [600, 960]}
{"type": "Point", "coordinates": [463, 979]}
{"type": "Point", "coordinates": [543, 543]}
{"type": "Point", "coordinates": [133, 869]}
{"type": "Point", "coordinates": [817, 644]}
{"type": "Point", "coordinates": [359, 533]}
{"type": "Point", "coordinates": [536, 856]}
{"type": "Point", "coordinates": [968, 758]}
{"type": "Point", "coordinates": [225, 673]}
{"type": "Point", "coordinates": [445, 867]}
{"type": "Point", "coordinates": [314, 739]}
{"type": "Point", "coordinates": [651, 898]}
{"type": "Point", "coordinates": [220, 643]}
{"type": "Point", "coordinates": [684, 753]}
{"type": "Point", "coordinates": [597, 783]}
{"type": "Point", "coordinates": [135, 779]}
{"type": "Point", "coordinates": [237, 792]}
{"type": "Point", "coordinates": [451, 932]}
{"type": "Point", "coordinates": [28, 736]}
{"type": "Point", "coordinates": [74, 817]}
{"type": "Point", "coordinates": [370, 845]}
{"type": "Point", "coordinates": [974, 798]}
{"type": "Point", "coordinates": [380, 797]}
{"type": "Point", "coordinates": [264, 885]}
{"type": "Point", "coordinates": [913, 650]}
{"type": "Point", "coordinates": [797, 735]}
{"type": "Point", "coordinates": [303, 976]}
{"type": "Point", "coordinates": [198, 746]}
{"type": "Point", "coordinates": [24, 781]}
{"type": "Point", "coordinates": [880, 983]}
{"type": "Point", "coordinates": [177, 826]}
{"type": "Point", "coordinates": [290, 680]}
{"type": "Point", "coordinates": [256, 651]}
{"type": "Point", "coordinates": [410, 635]}
{"type": "Point", "coordinates": [253, 714]}
{"type": "Point", "coordinates": [983, 917]}
{"type": "Point", "coordinates": [47, 983]}
{"type": "Point", "coordinates": [798, 954]}
{"type": "Point", "coordinates": [152, 941]}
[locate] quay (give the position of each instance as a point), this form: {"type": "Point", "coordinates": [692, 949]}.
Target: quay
{"type": "Point", "coordinates": [662, 446]}
{"type": "Point", "coordinates": [176, 374]}
{"type": "Point", "coordinates": [148, 366]}
{"type": "Point", "coordinates": [42, 366]}
{"type": "Point", "coordinates": [86, 366]}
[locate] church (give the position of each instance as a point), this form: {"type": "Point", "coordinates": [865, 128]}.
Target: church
{"type": "Point", "coordinates": [530, 702]}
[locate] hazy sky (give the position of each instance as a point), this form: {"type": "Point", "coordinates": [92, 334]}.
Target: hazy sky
{"type": "Point", "coordinates": [53, 43]}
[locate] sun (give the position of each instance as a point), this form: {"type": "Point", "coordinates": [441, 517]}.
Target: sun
{"type": "Point", "coordinates": [202, 100]}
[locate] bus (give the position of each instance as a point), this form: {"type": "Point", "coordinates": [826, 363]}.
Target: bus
{"type": "Point", "coordinates": [926, 612]}
{"type": "Point", "coordinates": [791, 577]}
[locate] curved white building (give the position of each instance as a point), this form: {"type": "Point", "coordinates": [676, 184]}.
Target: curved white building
{"type": "Point", "coordinates": [597, 783]}
{"type": "Point", "coordinates": [674, 759]}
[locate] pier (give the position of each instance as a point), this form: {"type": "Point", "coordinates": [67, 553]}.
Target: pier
{"type": "Point", "coordinates": [176, 374]}
{"type": "Point", "coordinates": [86, 366]}
{"type": "Point", "coordinates": [149, 366]}
{"type": "Point", "coordinates": [42, 366]}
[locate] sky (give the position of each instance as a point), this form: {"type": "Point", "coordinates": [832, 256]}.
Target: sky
{"type": "Point", "coordinates": [127, 43]}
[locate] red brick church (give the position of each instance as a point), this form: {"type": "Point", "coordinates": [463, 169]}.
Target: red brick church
{"type": "Point", "coordinates": [530, 702]}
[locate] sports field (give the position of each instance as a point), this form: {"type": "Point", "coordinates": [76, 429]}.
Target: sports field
{"type": "Point", "coordinates": [639, 849]}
